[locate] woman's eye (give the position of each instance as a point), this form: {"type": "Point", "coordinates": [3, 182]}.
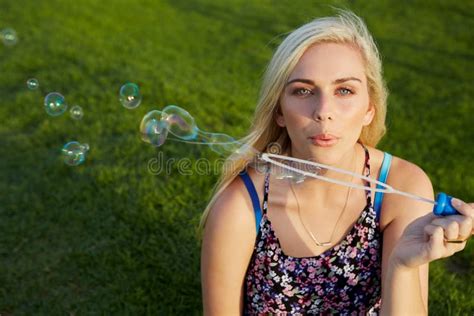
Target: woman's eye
{"type": "Point", "coordinates": [345, 91]}
{"type": "Point", "coordinates": [302, 92]}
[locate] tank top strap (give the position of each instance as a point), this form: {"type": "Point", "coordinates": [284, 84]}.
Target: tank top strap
{"type": "Point", "coordinates": [258, 211]}
{"type": "Point", "coordinates": [384, 170]}
{"type": "Point", "coordinates": [367, 173]}
{"type": "Point", "coordinates": [266, 189]}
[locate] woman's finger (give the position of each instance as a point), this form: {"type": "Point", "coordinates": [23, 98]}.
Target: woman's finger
{"type": "Point", "coordinates": [445, 240]}
{"type": "Point", "coordinates": [464, 208]}
{"type": "Point", "coordinates": [435, 237]}
{"type": "Point", "coordinates": [465, 225]}
{"type": "Point", "coordinates": [450, 226]}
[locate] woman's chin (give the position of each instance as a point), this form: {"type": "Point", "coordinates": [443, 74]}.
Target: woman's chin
{"type": "Point", "coordinates": [327, 158]}
{"type": "Point", "coordinates": [328, 155]}
{"type": "Point", "coordinates": [331, 157]}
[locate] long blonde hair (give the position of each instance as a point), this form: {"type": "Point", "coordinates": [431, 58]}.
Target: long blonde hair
{"type": "Point", "coordinates": [346, 27]}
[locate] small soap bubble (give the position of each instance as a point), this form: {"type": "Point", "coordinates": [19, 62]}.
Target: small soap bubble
{"type": "Point", "coordinates": [76, 112]}
{"type": "Point", "coordinates": [32, 84]}
{"type": "Point", "coordinates": [130, 96]}
{"type": "Point", "coordinates": [181, 123]}
{"type": "Point", "coordinates": [153, 129]}
{"type": "Point", "coordinates": [55, 104]}
{"type": "Point", "coordinates": [74, 153]}
{"type": "Point", "coordinates": [9, 37]}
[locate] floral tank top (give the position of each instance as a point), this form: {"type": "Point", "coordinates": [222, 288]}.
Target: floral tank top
{"type": "Point", "coordinates": [345, 279]}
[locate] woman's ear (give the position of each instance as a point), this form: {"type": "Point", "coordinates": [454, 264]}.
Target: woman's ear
{"type": "Point", "coordinates": [280, 120]}
{"type": "Point", "coordinates": [369, 115]}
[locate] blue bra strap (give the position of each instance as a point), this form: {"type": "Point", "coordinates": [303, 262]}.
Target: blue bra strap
{"type": "Point", "coordinates": [387, 159]}
{"type": "Point", "coordinates": [254, 196]}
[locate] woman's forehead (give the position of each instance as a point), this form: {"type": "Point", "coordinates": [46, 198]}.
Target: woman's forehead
{"type": "Point", "coordinates": [329, 62]}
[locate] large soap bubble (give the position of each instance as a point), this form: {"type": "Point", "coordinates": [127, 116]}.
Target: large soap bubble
{"type": "Point", "coordinates": [181, 123]}
{"type": "Point", "coordinates": [153, 129]}
{"type": "Point", "coordinates": [156, 127]}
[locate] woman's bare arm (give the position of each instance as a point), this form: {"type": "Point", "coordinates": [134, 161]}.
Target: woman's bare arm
{"type": "Point", "coordinates": [404, 291]}
{"type": "Point", "coordinates": [426, 239]}
{"type": "Point", "coordinates": [228, 241]}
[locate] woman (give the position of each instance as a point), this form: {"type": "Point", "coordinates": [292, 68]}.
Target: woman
{"type": "Point", "coordinates": [323, 99]}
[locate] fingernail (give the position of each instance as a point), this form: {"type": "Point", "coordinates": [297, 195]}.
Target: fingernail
{"type": "Point", "coordinates": [456, 202]}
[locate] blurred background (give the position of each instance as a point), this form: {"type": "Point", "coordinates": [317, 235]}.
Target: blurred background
{"type": "Point", "coordinates": [111, 236]}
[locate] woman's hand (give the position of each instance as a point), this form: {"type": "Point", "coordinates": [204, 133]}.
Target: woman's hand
{"type": "Point", "coordinates": [431, 237]}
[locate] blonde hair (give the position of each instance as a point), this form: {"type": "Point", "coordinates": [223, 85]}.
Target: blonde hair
{"type": "Point", "coordinates": [346, 27]}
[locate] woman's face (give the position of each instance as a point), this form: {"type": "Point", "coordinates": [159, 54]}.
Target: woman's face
{"type": "Point", "coordinates": [325, 103]}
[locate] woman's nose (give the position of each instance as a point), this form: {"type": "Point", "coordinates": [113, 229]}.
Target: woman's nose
{"type": "Point", "coordinates": [322, 108]}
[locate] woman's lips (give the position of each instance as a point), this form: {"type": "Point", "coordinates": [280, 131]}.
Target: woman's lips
{"type": "Point", "coordinates": [324, 140]}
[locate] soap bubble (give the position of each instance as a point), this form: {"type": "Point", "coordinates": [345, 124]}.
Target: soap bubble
{"type": "Point", "coordinates": [55, 104]}
{"type": "Point", "coordinates": [74, 153]}
{"type": "Point", "coordinates": [76, 112]}
{"type": "Point", "coordinates": [181, 123]}
{"type": "Point", "coordinates": [32, 84]}
{"type": "Point", "coordinates": [153, 129]}
{"type": "Point", "coordinates": [222, 143]}
{"type": "Point", "coordinates": [130, 96]}
{"type": "Point", "coordinates": [156, 125]}
{"type": "Point", "coordinates": [9, 37]}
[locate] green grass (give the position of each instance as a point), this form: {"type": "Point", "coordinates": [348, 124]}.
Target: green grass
{"type": "Point", "coordinates": [109, 237]}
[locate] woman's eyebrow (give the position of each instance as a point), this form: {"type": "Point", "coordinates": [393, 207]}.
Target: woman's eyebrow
{"type": "Point", "coordinates": [311, 82]}
{"type": "Point", "coordinates": [308, 81]}
{"type": "Point", "coordinates": [341, 80]}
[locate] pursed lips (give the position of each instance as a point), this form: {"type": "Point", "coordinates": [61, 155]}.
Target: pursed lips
{"type": "Point", "coordinates": [324, 140]}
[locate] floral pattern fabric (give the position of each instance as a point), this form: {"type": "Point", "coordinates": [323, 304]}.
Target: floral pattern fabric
{"type": "Point", "coordinates": [343, 280]}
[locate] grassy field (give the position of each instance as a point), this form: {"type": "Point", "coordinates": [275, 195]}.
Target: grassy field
{"type": "Point", "coordinates": [111, 237]}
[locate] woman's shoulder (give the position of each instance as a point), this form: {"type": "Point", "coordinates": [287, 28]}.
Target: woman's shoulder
{"type": "Point", "coordinates": [227, 246]}
{"type": "Point", "coordinates": [402, 172]}
{"type": "Point", "coordinates": [404, 176]}
{"type": "Point", "coordinates": [233, 207]}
